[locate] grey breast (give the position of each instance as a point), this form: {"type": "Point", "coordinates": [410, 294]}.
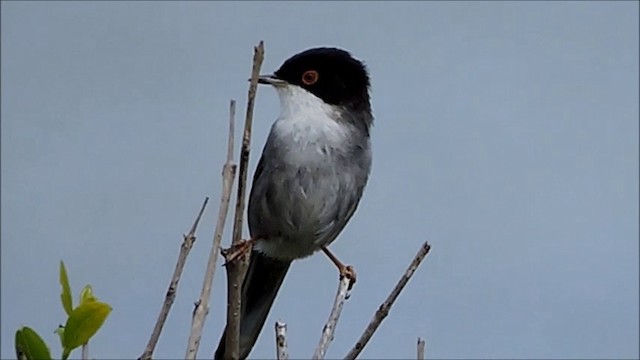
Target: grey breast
{"type": "Point", "coordinates": [308, 204]}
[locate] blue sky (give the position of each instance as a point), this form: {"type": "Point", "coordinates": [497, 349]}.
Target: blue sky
{"type": "Point", "coordinates": [506, 134]}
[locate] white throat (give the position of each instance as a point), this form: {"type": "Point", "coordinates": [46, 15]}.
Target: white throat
{"type": "Point", "coordinates": [307, 120]}
{"type": "Point", "coordinates": [296, 101]}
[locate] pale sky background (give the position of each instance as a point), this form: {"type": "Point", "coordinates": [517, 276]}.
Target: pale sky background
{"type": "Point", "coordinates": [506, 134]}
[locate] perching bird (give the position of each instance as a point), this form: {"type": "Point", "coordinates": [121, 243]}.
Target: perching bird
{"type": "Point", "coordinates": [310, 178]}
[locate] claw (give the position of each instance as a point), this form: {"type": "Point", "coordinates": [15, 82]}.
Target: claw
{"type": "Point", "coordinates": [349, 272]}
{"type": "Point", "coordinates": [345, 270]}
{"type": "Point", "coordinates": [238, 251]}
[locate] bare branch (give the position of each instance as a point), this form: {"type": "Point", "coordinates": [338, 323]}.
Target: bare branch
{"type": "Point", "coordinates": [202, 305]}
{"type": "Point", "coordinates": [85, 351]}
{"type": "Point", "coordinates": [185, 248]}
{"type": "Point", "coordinates": [383, 311]}
{"type": "Point", "coordinates": [421, 346]}
{"type": "Point", "coordinates": [258, 57]}
{"type": "Point", "coordinates": [282, 353]}
{"type": "Point", "coordinates": [330, 327]}
{"type": "Point", "coordinates": [236, 269]}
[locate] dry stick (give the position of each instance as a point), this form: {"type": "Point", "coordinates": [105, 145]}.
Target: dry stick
{"type": "Point", "coordinates": [383, 311]}
{"type": "Point", "coordinates": [85, 351]}
{"type": "Point", "coordinates": [282, 353]}
{"type": "Point", "coordinates": [202, 304]}
{"type": "Point", "coordinates": [330, 327]}
{"type": "Point", "coordinates": [186, 246]}
{"type": "Point", "coordinates": [236, 269]}
{"type": "Point", "coordinates": [421, 345]}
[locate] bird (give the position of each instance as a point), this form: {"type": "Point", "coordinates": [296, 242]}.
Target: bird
{"type": "Point", "coordinates": [310, 177]}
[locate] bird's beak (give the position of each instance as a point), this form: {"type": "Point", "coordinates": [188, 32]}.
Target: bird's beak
{"type": "Point", "coordinates": [271, 80]}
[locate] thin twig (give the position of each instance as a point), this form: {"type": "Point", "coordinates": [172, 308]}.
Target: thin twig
{"type": "Point", "coordinates": [282, 353]}
{"type": "Point", "coordinates": [330, 327]}
{"type": "Point", "coordinates": [202, 305]}
{"type": "Point", "coordinates": [236, 269]}
{"type": "Point", "coordinates": [85, 351]}
{"type": "Point", "coordinates": [186, 246]}
{"type": "Point", "coordinates": [421, 346]}
{"type": "Point", "coordinates": [258, 56]}
{"type": "Point", "coordinates": [383, 311]}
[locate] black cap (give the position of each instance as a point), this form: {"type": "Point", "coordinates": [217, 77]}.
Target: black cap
{"type": "Point", "coordinates": [331, 74]}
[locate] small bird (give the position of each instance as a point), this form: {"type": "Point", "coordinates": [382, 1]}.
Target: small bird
{"type": "Point", "coordinates": [310, 177]}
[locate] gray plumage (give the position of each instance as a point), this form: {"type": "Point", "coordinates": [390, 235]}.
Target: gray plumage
{"type": "Point", "coordinates": [310, 177]}
{"type": "Point", "coordinates": [300, 208]}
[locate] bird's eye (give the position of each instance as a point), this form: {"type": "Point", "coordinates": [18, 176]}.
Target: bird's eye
{"type": "Point", "coordinates": [310, 77]}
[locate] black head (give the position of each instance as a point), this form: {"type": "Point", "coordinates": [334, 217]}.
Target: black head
{"type": "Point", "coordinates": [330, 74]}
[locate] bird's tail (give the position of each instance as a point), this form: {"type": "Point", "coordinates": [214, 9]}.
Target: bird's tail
{"type": "Point", "coordinates": [259, 289]}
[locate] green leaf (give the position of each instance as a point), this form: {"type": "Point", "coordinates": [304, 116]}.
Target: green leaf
{"type": "Point", "coordinates": [87, 295]}
{"type": "Point", "coordinates": [84, 321]}
{"type": "Point", "coordinates": [67, 301]}
{"type": "Point", "coordinates": [29, 345]}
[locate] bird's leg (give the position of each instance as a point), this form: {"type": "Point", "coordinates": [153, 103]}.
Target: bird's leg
{"type": "Point", "coordinates": [345, 270]}
{"type": "Point", "coordinates": [238, 250]}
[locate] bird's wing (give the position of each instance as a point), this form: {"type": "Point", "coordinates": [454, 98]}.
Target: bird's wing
{"type": "Point", "coordinates": [348, 196]}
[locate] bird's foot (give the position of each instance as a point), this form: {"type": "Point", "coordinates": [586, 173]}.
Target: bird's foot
{"type": "Point", "coordinates": [238, 251]}
{"type": "Point", "coordinates": [350, 273]}
{"type": "Point", "coordinates": [345, 270]}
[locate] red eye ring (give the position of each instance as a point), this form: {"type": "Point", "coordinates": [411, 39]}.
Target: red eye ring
{"type": "Point", "coordinates": [310, 77]}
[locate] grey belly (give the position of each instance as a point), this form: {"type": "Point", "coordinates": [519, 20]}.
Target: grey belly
{"type": "Point", "coordinates": [295, 211]}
